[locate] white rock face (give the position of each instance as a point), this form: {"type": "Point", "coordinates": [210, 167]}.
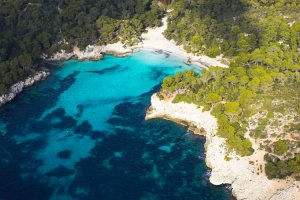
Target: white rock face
{"type": "Point", "coordinates": [18, 87]}
{"type": "Point", "coordinates": [182, 111]}
{"type": "Point", "coordinates": [92, 52]}
{"type": "Point", "coordinates": [58, 56]}
{"type": "Point", "coordinates": [246, 182]}
{"type": "Point", "coordinates": [118, 49]}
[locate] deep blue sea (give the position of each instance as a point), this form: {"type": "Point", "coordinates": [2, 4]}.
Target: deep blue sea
{"type": "Point", "coordinates": [81, 134]}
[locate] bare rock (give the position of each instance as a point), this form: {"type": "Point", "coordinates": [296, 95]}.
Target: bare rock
{"type": "Point", "coordinates": [19, 86]}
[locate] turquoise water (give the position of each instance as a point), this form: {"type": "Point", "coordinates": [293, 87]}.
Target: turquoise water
{"type": "Point", "coordinates": [81, 134]}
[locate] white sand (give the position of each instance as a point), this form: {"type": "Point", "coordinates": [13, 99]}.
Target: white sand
{"type": "Point", "coordinates": [153, 39]}
{"type": "Point", "coordinates": [243, 176]}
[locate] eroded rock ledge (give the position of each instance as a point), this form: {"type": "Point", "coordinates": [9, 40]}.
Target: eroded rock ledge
{"type": "Point", "coordinates": [247, 179]}
{"type": "Point", "coordinates": [91, 52]}
{"type": "Point", "coordinates": [19, 86]}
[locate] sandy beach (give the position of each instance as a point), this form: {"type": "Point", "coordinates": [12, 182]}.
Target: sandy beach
{"type": "Point", "coordinates": [152, 39]}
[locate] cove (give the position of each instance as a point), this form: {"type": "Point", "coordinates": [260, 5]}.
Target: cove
{"type": "Point", "coordinates": [81, 134]}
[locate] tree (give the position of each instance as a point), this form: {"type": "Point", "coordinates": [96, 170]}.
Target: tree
{"type": "Point", "coordinates": [254, 84]}
{"type": "Point", "coordinates": [257, 72]}
{"type": "Point", "coordinates": [279, 78]}
{"type": "Point", "coordinates": [232, 110]}
{"type": "Point", "coordinates": [108, 29]}
{"type": "Point", "coordinates": [257, 56]}
{"type": "Point", "coordinates": [213, 98]}
{"type": "Point", "coordinates": [266, 82]}
{"type": "Point", "coordinates": [25, 61]}
{"type": "Point", "coordinates": [2, 89]}
{"type": "Point", "coordinates": [227, 132]}
{"type": "Point", "coordinates": [216, 71]}
{"type": "Point", "coordinates": [244, 80]}
{"type": "Point", "coordinates": [239, 71]}
{"type": "Point", "coordinates": [246, 97]}
{"type": "Point", "coordinates": [168, 83]}
{"type": "Point", "coordinates": [280, 147]}
{"type": "Point", "coordinates": [232, 80]}
{"type": "Point", "coordinates": [242, 147]}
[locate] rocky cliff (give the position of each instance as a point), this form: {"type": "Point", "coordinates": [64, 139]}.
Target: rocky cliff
{"type": "Point", "coordinates": [243, 173]}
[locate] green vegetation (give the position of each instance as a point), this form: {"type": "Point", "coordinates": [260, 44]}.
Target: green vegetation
{"type": "Point", "coordinates": [280, 147]}
{"type": "Point", "coordinates": [276, 168]}
{"type": "Point", "coordinates": [208, 90]}
{"type": "Point", "coordinates": [233, 27]}
{"type": "Point", "coordinates": [29, 29]}
{"type": "Point", "coordinates": [262, 41]}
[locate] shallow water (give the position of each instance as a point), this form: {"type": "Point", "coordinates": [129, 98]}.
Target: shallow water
{"type": "Point", "coordinates": [81, 134]}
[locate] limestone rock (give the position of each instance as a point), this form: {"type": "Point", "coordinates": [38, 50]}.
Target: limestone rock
{"type": "Point", "coordinates": [19, 86]}
{"type": "Point", "coordinates": [90, 53]}
{"type": "Point", "coordinates": [58, 56]}
{"type": "Point", "coordinates": [246, 181]}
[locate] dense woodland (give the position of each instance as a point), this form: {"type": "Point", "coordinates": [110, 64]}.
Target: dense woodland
{"type": "Point", "coordinates": [261, 38]}
{"type": "Point", "coordinates": [30, 28]}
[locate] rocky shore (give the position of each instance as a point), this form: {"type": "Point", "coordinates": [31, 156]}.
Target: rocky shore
{"type": "Point", "coordinates": [19, 86]}
{"type": "Point", "coordinates": [91, 52]}
{"type": "Point", "coordinates": [245, 174]}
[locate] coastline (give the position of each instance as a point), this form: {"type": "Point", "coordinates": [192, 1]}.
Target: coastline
{"type": "Point", "coordinates": [247, 180]}
{"type": "Point", "coordinates": [152, 39]}
{"type": "Point", "coordinates": [18, 87]}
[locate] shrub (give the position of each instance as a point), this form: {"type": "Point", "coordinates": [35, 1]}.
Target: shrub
{"type": "Point", "coordinates": [280, 147]}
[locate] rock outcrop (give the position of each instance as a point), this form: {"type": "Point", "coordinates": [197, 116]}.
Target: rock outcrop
{"type": "Point", "coordinates": [92, 52]}
{"type": "Point", "coordinates": [243, 173]}
{"type": "Point", "coordinates": [58, 56]}
{"type": "Point", "coordinates": [18, 87]}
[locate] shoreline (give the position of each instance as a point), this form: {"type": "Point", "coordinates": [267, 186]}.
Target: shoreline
{"type": "Point", "coordinates": [18, 87]}
{"type": "Point", "coordinates": [238, 172]}
{"type": "Point", "coordinates": [246, 180]}
{"type": "Point", "coordinates": [152, 39]}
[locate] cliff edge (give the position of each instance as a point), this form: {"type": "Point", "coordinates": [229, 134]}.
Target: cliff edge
{"type": "Point", "coordinates": [245, 174]}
